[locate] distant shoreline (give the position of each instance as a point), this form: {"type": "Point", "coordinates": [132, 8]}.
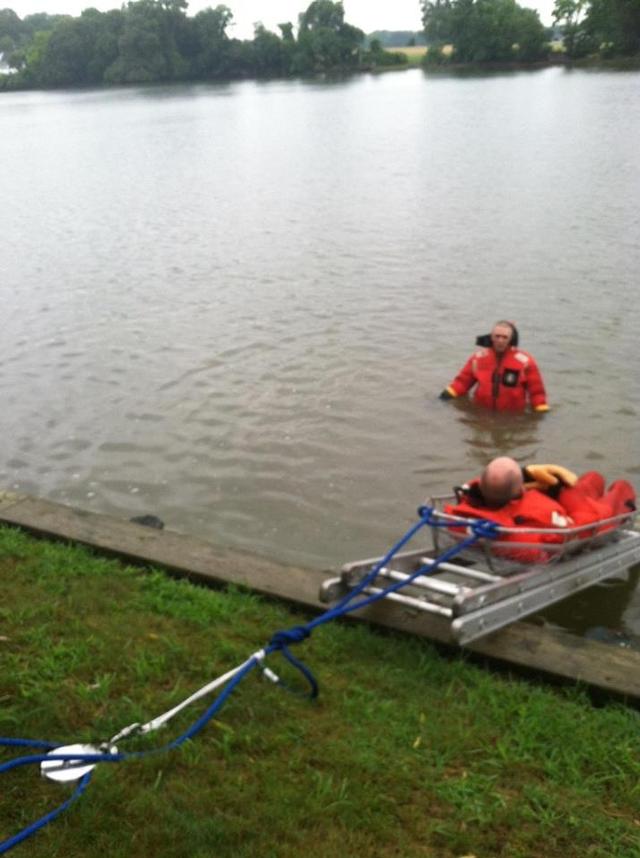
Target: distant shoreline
{"type": "Point", "coordinates": [589, 63]}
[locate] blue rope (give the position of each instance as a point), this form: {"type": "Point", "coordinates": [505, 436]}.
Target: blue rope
{"type": "Point", "coordinates": [48, 817]}
{"type": "Point", "coordinates": [280, 642]}
{"type": "Point", "coordinates": [26, 743]}
{"type": "Point", "coordinates": [480, 529]}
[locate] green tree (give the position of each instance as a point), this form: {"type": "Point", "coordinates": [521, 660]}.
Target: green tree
{"type": "Point", "coordinates": [288, 44]}
{"type": "Point", "coordinates": [616, 23]}
{"type": "Point", "coordinates": [270, 54]}
{"type": "Point", "coordinates": [67, 54]}
{"type": "Point", "coordinates": [79, 50]}
{"type": "Point", "coordinates": [7, 45]}
{"type": "Point", "coordinates": [109, 28]}
{"type": "Point", "coordinates": [438, 22]}
{"type": "Point", "coordinates": [483, 30]}
{"type": "Point", "coordinates": [238, 59]}
{"type": "Point", "coordinates": [532, 38]}
{"type": "Point", "coordinates": [611, 27]}
{"type": "Point", "coordinates": [33, 57]}
{"type": "Point", "coordinates": [570, 15]}
{"type": "Point", "coordinates": [10, 30]}
{"type": "Point", "coordinates": [325, 41]}
{"type": "Point", "coordinates": [213, 51]}
{"type": "Point", "coordinates": [147, 44]}
{"type": "Point", "coordinates": [16, 36]}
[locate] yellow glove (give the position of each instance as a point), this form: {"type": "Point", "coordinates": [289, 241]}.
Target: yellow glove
{"type": "Point", "coordinates": [448, 393]}
{"type": "Point", "coordinates": [541, 409]}
{"type": "Point", "coordinates": [544, 476]}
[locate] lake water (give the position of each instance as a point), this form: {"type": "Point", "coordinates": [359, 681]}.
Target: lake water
{"type": "Point", "coordinates": [233, 306]}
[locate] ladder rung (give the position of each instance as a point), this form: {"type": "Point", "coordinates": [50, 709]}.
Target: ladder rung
{"type": "Point", "coordinates": [474, 574]}
{"type": "Point", "coordinates": [413, 603]}
{"type": "Point", "coordinates": [435, 584]}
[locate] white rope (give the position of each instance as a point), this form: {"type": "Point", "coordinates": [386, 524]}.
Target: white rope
{"type": "Point", "coordinates": [161, 720]}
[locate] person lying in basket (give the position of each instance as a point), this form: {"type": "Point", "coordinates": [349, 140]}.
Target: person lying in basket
{"type": "Point", "coordinates": [542, 496]}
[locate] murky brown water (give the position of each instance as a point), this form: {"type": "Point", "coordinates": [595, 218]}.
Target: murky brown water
{"type": "Point", "coordinates": [234, 306]}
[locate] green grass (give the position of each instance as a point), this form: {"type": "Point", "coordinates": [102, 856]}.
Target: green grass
{"type": "Point", "coordinates": [406, 753]}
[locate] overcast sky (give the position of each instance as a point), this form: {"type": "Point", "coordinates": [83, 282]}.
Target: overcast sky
{"type": "Point", "coordinates": [368, 15]}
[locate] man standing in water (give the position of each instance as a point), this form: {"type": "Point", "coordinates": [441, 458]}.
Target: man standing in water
{"type": "Point", "coordinates": [504, 376]}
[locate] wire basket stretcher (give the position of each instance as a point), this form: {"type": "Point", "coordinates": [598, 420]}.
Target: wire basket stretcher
{"type": "Point", "coordinates": [497, 581]}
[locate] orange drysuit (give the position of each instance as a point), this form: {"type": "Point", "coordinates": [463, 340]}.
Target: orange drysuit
{"type": "Point", "coordinates": [502, 382]}
{"type": "Point", "coordinates": [588, 502]}
{"type": "Point", "coordinates": [585, 503]}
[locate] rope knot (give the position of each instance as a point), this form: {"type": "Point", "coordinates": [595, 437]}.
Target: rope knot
{"type": "Point", "coordinates": [426, 514]}
{"type": "Point", "coordinates": [294, 635]}
{"type": "Point", "coordinates": [485, 528]}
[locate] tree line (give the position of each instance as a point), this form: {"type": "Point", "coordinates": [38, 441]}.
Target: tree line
{"type": "Point", "coordinates": [156, 41]}
{"type": "Point", "coordinates": [501, 31]}
{"type": "Point", "coordinates": [148, 41]}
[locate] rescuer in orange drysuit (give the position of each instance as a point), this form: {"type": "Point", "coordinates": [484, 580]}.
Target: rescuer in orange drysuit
{"type": "Point", "coordinates": [504, 376]}
{"type": "Point", "coordinates": [551, 497]}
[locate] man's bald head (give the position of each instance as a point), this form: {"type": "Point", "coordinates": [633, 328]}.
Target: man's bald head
{"type": "Point", "coordinates": [501, 481]}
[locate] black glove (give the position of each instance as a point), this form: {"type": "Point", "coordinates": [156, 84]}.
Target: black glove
{"type": "Point", "coordinates": [446, 394]}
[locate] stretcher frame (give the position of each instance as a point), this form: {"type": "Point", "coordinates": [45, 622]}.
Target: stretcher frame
{"type": "Point", "coordinates": [484, 589]}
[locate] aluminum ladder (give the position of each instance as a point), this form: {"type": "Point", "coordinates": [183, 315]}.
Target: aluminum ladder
{"type": "Point", "coordinates": [478, 593]}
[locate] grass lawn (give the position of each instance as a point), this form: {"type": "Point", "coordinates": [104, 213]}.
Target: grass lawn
{"type": "Point", "coordinates": [406, 752]}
